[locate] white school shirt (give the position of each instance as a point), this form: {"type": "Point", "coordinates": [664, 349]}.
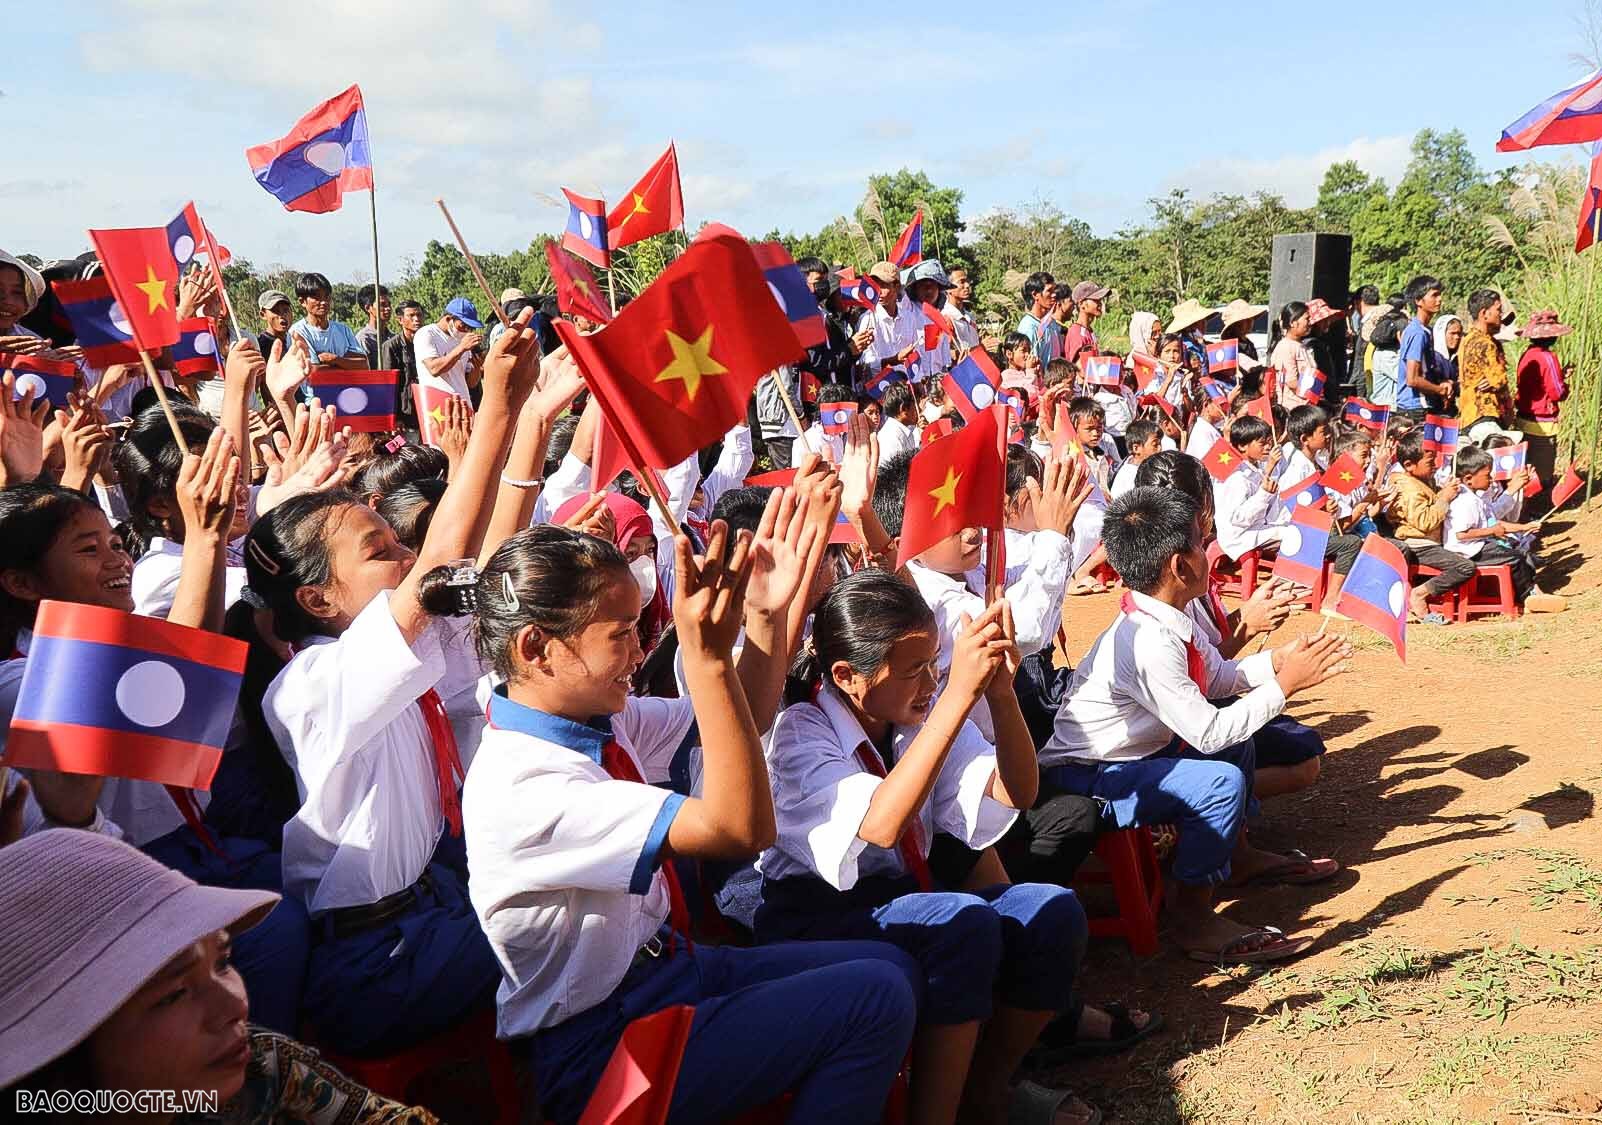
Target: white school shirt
{"type": "Point", "coordinates": [821, 792]}
{"type": "Point", "coordinates": [1125, 480]}
{"type": "Point", "coordinates": [893, 335]}
{"type": "Point", "coordinates": [963, 324]}
{"type": "Point", "coordinates": [1247, 516]}
{"type": "Point", "coordinates": [896, 438]}
{"type": "Point", "coordinates": [565, 860]}
{"type": "Point", "coordinates": [1468, 511]}
{"type": "Point", "coordinates": [345, 716]}
{"type": "Point", "coordinates": [1119, 406]}
{"type": "Point", "coordinates": [155, 579]}
{"type": "Point", "coordinates": [1298, 467]}
{"type": "Point", "coordinates": [1086, 530]}
{"type": "Point", "coordinates": [432, 342]}
{"type": "Point", "coordinates": [572, 477]}
{"type": "Point", "coordinates": [1037, 573]}
{"type": "Point", "coordinates": [1132, 693]}
{"type": "Point", "coordinates": [1503, 503]}
{"type": "Point", "coordinates": [1203, 436]}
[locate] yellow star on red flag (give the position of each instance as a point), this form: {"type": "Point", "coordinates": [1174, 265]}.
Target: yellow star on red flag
{"type": "Point", "coordinates": [692, 361]}
{"type": "Point", "coordinates": [154, 289]}
{"type": "Point", "coordinates": [946, 493]}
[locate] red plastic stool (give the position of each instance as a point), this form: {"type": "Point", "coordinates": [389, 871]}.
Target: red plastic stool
{"type": "Point", "coordinates": [1137, 883]}
{"type": "Point", "coordinates": [1502, 601]}
{"type": "Point", "coordinates": [470, 1043]}
{"type": "Point", "coordinates": [1448, 603]}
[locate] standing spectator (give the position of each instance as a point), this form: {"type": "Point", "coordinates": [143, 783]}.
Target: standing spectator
{"type": "Point", "coordinates": [1291, 358]}
{"type": "Point", "coordinates": [1038, 297]}
{"type": "Point", "coordinates": [1326, 340]}
{"type": "Point", "coordinates": [377, 313]}
{"type": "Point", "coordinates": [1359, 323]}
{"type": "Point", "coordinates": [446, 359]}
{"type": "Point", "coordinates": [1381, 358]}
{"type": "Point", "coordinates": [1486, 402]}
{"type": "Point", "coordinates": [1448, 333]}
{"type": "Point", "coordinates": [897, 324]}
{"type": "Point", "coordinates": [925, 283]}
{"type": "Point", "coordinates": [332, 343]}
{"type": "Point", "coordinates": [400, 354]}
{"type": "Point", "coordinates": [1081, 338]}
{"type": "Point", "coordinates": [1541, 387]}
{"type": "Point", "coordinates": [1423, 387]}
{"type": "Point", "coordinates": [508, 295]}
{"type": "Point", "coordinates": [834, 360]}
{"type": "Point", "coordinates": [1051, 335]}
{"type": "Point", "coordinates": [276, 315]}
{"type": "Point", "coordinates": [958, 299]}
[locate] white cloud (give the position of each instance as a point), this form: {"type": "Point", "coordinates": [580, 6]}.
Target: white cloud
{"type": "Point", "coordinates": [1294, 176]}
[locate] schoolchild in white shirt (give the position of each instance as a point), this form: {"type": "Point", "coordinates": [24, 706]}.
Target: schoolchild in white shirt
{"type": "Point", "coordinates": [1206, 430]}
{"type": "Point", "coordinates": [899, 433]}
{"type": "Point", "coordinates": [568, 843]}
{"type": "Point", "coordinates": [1307, 428]}
{"type": "Point", "coordinates": [1144, 439]}
{"type": "Point", "coordinates": [867, 764]}
{"type": "Point", "coordinates": [1249, 512]}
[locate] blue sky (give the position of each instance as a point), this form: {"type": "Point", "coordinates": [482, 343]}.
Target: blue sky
{"type": "Point", "coordinates": [127, 109]}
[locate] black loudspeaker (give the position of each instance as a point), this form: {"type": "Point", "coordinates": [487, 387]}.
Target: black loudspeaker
{"type": "Point", "coordinates": [1310, 265]}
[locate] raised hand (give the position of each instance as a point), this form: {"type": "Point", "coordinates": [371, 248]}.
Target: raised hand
{"type": "Point", "coordinates": [24, 345]}
{"type": "Point", "coordinates": [979, 651]}
{"type": "Point", "coordinates": [859, 468]}
{"type": "Point", "coordinates": [86, 441]}
{"type": "Point", "coordinates": [1058, 497]}
{"type": "Point", "coordinates": [1268, 607]}
{"type": "Point", "coordinates": [561, 381]}
{"type": "Point", "coordinates": [196, 289]}
{"type": "Point", "coordinates": [287, 370]}
{"type": "Point", "coordinates": [779, 553]}
{"type": "Point", "coordinates": [207, 487]}
{"type": "Point", "coordinates": [709, 594]}
{"type": "Point", "coordinates": [594, 518]}
{"type": "Point", "coordinates": [453, 433]}
{"type": "Point", "coordinates": [244, 362]}
{"type": "Point", "coordinates": [512, 367]}
{"type": "Point", "coordinates": [22, 426]}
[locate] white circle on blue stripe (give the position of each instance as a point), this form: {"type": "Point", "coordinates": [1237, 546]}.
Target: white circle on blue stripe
{"type": "Point", "coordinates": [183, 248]}
{"type": "Point", "coordinates": [351, 400]}
{"type": "Point", "coordinates": [1365, 413]}
{"type": "Point", "coordinates": [119, 319]}
{"type": "Point", "coordinates": [1507, 463]}
{"type": "Point", "coordinates": [1397, 598]}
{"type": "Point", "coordinates": [151, 693]}
{"type": "Point", "coordinates": [1291, 542]}
{"type": "Point", "coordinates": [779, 297]}
{"type": "Point", "coordinates": [983, 395]}
{"type": "Point", "coordinates": [840, 416]}
{"type": "Point", "coordinates": [1304, 498]}
{"type": "Point", "coordinates": [326, 156]}
{"type": "Point", "coordinates": [29, 382]}
{"type": "Point", "coordinates": [586, 226]}
{"type": "Point", "coordinates": [205, 344]}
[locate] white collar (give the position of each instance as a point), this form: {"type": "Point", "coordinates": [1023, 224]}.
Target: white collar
{"type": "Point", "coordinates": [847, 729]}
{"type": "Point", "coordinates": [1174, 620]}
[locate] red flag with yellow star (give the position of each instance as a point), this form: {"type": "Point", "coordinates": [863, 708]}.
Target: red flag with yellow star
{"type": "Point", "coordinates": [143, 276]}
{"type": "Point", "coordinates": [577, 294]}
{"type": "Point", "coordinates": [655, 205]}
{"type": "Point", "coordinates": [952, 484]}
{"type": "Point", "coordinates": [676, 368]}
{"type": "Point", "coordinates": [1222, 460]}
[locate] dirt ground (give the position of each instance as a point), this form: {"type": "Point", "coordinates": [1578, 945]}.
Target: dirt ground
{"type": "Point", "coordinates": [1458, 973]}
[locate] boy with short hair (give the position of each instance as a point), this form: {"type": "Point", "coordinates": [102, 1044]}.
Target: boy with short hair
{"type": "Point", "coordinates": [1423, 386]}
{"type": "Point", "coordinates": [1248, 516]}
{"type": "Point", "coordinates": [1143, 439]}
{"type": "Point", "coordinates": [332, 343]}
{"type": "Point", "coordinates": [898, 433]}
{"type": "Point", "coordinates": [1417, 511]}
{"type": "Point", "coordinates": [1355, 511]}
{"type": "Point", "coordinates": [1474, 531]}
{"type": "Point", "coordinates": [1308, 430]}
{"type": "Point", "coordinates": [1138, 731]}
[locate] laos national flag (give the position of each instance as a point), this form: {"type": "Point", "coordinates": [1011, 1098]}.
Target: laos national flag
{"type": "Point", "coordinates": [836, 416]}
{"type": "Point", "coordinates": [365, 400]}
{"type": "Point", "coordinates": [1375, 593]}
{"type": "Point", "coordinates": [195, 353]}
{"type": "Point", "coordinates": [1440, 434]}
{"type": "Point", "coordinates": [908, 249]}
{"type": "Point", "coordinates": [1215, 390]}
{"type": "Point", "coordinates": [876, 386]}
{"type": "Point", "coordinates": [1311, 387]}
{"type": "Point", "coordinates": [972, 384]}
{"type": "Point", "coordinates": [1508, 460]}
{"type": "Point", "coordinates": [1301, 547]}
{"type": "Point", "coordinates": [325, 155]}
{"type": "Point", "coordinates": [116, 695]}
{"type": "Point", "coordinates": [854, 290]}
{"type": "Point", "coordinates": [1366, 414]}
{"type": "Point", "coordinates": [1223, 356]}
{"type": "Point", "coordinates": [1589, 232]}
{"type": "Point", "coordinates": [789, 287]}
{"type": "Point", "coordinates": [1104, 370]}
{"type": "Point", "coordinates": [1304, 494]}
{"type": "Point", "coordinates": [585, 236]}
{"type": "Point", "coordinates": [98, 322]}
{"type": "Point", "coordinates": [1569, 117]}
{"type": "Point", "coordinates": [188, 238]}
{"type": "Point", "coordinates": [52, 379]}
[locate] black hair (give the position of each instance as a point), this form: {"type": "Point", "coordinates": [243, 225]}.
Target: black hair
{"type": "Point", "coordinates": [1289, 313]}
{"type": "Point", "coordinates": [1470, 460]}
{"type": "Point", "coordinates": [1480, 300]}
{"type": "Point", "coordinates": [1014, 340]}
{"type": "Point", "coordinates": [1034, 285]}
{"type": "Point", "coordinates": [288, 548]}
{"type": "Point", "coordinates": [514, 308]}
{"type": "Point", "coordinates": [1171, 338]}
{"type": "Point", "coordinates": [560, 441]}
{"type": "Point", "coordinates": [741, 508]}
{"type": "Point", "coordinates": [1172, 469]}
{"type": "Point", "coordinates": [1304, 421]}
{"type": "Point", "coordinates": [1497, 440]}
{"type": "Point", "coordinates": [312, 285]}
{"type": "Point", "coordinates": [890, 492]}
{"type": "Point", "coordinates": [148, 461]}
{"type": "Point", "coordinates": [1410, 449]}
{"type": "Point", "coordinates": [1247, 429]}
{"type": "Point", "coordinates": [1250, 384]}
{"type": "Point", "coordinates": [1352, 437]}
{"type": "Point", "coordinates": [811, 264]}
{"type": "Point", "coordinates": [1139, 432]}
{"type": "Point", "coordinates": [1086, 407]}
{"type": "Point", "coordinates": [409, 509]}
{"type": "Point", "coordinates": [1368, 294]}
{"type": "Point", "coordinates": [1023, 465]}
{"type": "Point", "coordinates": [556, 577]}
{"type": "Point", "coordinates": [896, 398]}
{"type": "Point", "coordinates": [1396, 300]}
{"type": "Point", "coordinates": [1146, 527]}
{"type": "Point", "coordinates": [389, 470]}
{"type": "Point", "coordinates": [408, 304]}
{"type": "Point", "coordinates": [858, 621]}
{"type": "Point", "coordinates": [1419, 286]}
{"type": "Point", "coordinates": [836, 392]}
{"type": "Point", "coordinates": [32, 515]}
{"type": "Point", "coordinates": [1057, 371]}
{"type": "Point", "coordinates": [364, 296]}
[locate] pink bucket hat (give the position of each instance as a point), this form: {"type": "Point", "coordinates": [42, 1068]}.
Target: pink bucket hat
{"type": "Point", "coordinates": [85, 921]}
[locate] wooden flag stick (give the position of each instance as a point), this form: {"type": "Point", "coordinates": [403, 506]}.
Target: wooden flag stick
{"type": "Point", "coordinates": [789, 405]}
{"type": "Point", "coordinates": [648, 482]}
{"type": "Point", "coordinates": [166, 405]}
{"type": "Point", "coordinates": [472, 264]}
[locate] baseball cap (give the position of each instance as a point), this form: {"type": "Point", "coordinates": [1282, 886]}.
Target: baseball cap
{"type": "Point", "coordinates": [884, 271]}
{"type": "Point", "coordinates": [462, 309]}
{"type": "Point", "coordinates": [271, 298]}
{"type": "Point", "coordinates": [1090, 291]}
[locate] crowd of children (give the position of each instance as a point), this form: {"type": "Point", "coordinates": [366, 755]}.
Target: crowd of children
{"type": "Point", "coordinates": [495, 722]}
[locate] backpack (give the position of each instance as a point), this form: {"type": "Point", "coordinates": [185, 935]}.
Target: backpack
{"type": "Point", "coordinates": [1388, 329]}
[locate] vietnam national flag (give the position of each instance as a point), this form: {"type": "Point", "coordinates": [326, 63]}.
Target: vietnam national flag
{"type": "Point", "coordinates": [430, 403]}
{"type": "Point", "coordinates": [908, 250]}
{"type": "Point", "coordinates": [655, 205]}
{"type": "Point", "coordinates": [609, 459]}
{"type": "Point", "coordinates": [1344, 476]}
{"type": "Point", "coordinates": [144, 278]}
{"type": "Point", "coordinates": [585, 236]}
{"type": "Point", "coordinates": [1151, 377]}
{"type": "Point", "coordinates": [935, 325]}
{"type": "Point", "coordinates": [1222, 460]}
{"type": "Point", "coordinates": [1568, 486]}
{"type": "Point", "coordinates": [676, 368]}
{"type": "Point", "coordinates": [1262, 407]}
{"type": "Point", "coordinates": [576, 291]}
{"type": "Point", "coordinates": [934, 431]}
{"type": "Point", "coordinates": [951, 485]}
{"type": "Point", "coordinates": [810, 387]}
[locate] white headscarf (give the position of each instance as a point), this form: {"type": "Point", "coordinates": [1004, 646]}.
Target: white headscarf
{"type": "Point", "coordinates": [1440, 335]}
{"type": "Point", "coordinates": [33, 282]}
{"type": "Point", "coordinates": [1140, 326]}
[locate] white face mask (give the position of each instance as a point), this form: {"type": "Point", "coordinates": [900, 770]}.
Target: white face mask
{"type": "Point", "coordinates": [644, 571]}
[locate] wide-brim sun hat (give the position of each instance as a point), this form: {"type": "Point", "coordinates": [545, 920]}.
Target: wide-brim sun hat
{"type": "Point", "coordinates": [1187, 314]}
{"type": "Point", "coordinates": [85, 922]}
{"type": "Point", "coordinates": [1239, 310]}
{"type": "Point", "coordinates": [1544, 325]}
{"type": "Point", "coordinates": [33, 282]}
{"type": "Point", "coordinates": [1319, 311]}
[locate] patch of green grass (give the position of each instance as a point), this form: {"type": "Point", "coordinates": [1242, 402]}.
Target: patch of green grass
{"type": "Point", "coordinates": [1567, 878]}
{"type": "Point", "coordinates": [1465, 1063]}
{"type": "Point", "coordinates": [1493, 982]}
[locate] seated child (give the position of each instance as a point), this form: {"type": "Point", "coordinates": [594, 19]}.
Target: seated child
{"type": "Point", "coordinates": [1210, 413]}
{"type": "Point", "coordinates": [1308, 431]}
{"type": "Point", "coordinates": [1087, 418]}
{"type": "Point", "coordinates": [1417, 510]}
{"type": "Point", "coordinates": [1143, 440]}
{"type": "Point", "coordinates": [1138, 730]}
{"type": "Point", "coordinates": [1354, 512]}
{"type": "Point", "coordinates": [1506, 500]}
{"type": "Point", "coordinates": [1248, 513]}
{"type": "Point", "coordinates": [1474, 531]}
{"type": "Point", "coordinates": [870, 761]}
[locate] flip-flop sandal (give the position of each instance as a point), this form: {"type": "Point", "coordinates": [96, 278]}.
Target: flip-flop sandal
{"type": "Point", "coordinates": [1301, 871]}
{"type": "Point", "coordinates": [1080, 589]}
{"type": "Point", "coordinates": [1430, 618]}
{"type": "Point", "coordinates": [1034, 1104]}
{"type": "Point", "coordinates": [1245, 949]}
{"type": "Point", "coordinates": [1052, 1049]}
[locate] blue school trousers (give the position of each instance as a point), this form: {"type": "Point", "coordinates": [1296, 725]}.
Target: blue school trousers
{"type": "Point", "coordinates": [380, 989]}
{"type": "Point", "coordinates": [1204, 794]}
{"type": "Point", "coordinates": [828, 1022]}
{"type": "Point", "coordinates": [1018, 945]}
{"type": "Point", "coordinates": [271, 955]}
{"type": "Point", "coordinates": [1285, 742]}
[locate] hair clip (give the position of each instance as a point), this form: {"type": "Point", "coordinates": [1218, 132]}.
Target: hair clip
{"type": "Point", "coordinates": [463, 585]}
{"type": "Point", "coordinates": [508, 593]}
{"type": "Point", "coordinates": [395, 444]}
{"type": "Point", "coordinates": [263, 559]}
{"type": "Point", "coordinates": [253, 599]}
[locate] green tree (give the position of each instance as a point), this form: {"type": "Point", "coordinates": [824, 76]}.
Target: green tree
{"type": "Point", "coordinates": [891, 201]}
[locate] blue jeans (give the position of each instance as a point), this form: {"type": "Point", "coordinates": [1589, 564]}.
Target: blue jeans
{"type": "Point", "coordinates": [828, 1022]}
{"type": "Point", "coordinates": [1204, 794]}
{"type": "Point", "coordinates": [1018, 945]}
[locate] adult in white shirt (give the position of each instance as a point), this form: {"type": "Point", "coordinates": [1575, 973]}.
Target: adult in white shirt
{"type": "Point", "coordinates": [896, 322]}
{"type": "Point", "coordinates": [446, 360]}
{"type": "Point", "coordinates": [958, 299]}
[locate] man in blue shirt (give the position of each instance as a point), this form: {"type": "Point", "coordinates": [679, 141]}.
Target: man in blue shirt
{"type": "Point", "coordinates": [332, 343]}
{"type": "Point", "coordinates": [1422, 387]}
